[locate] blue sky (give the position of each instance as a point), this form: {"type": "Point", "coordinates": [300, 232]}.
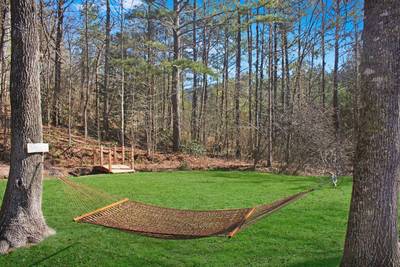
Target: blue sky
{"type": "Point", "coordinates": [128, 4]}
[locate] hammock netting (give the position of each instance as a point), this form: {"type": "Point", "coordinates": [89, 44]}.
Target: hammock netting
{"type": "Point", "coordinates": [168, 223]}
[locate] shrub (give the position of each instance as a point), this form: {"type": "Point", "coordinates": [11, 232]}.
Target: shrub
{"type": "Point", "coordinates": [193, 148]}
{"type": "Point", "coordinates": [184, 166]}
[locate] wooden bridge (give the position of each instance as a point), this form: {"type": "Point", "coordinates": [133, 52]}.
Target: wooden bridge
{"type": "Point", "coordinates": [117, 162]}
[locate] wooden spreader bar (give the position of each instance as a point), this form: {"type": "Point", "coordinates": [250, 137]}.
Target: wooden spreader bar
{"type": "Point", "coordinates": [237, 229]}
{"type": "Point", "coordinates": [77, 219]}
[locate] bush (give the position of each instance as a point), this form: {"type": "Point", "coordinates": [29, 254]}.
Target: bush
{"type": "Point", "coordinates": [193, 148]}
{"type": "Point", "coordinates": [184, 166]}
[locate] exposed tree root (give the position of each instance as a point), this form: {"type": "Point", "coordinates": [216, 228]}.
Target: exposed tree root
{"type": "Point", "coordinates": [13, 237]}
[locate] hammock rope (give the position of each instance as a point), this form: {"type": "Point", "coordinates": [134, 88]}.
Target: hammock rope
{"type": "Point", "coordinates": [168, 223]}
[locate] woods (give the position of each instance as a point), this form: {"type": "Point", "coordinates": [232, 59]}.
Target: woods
{"type": "Point", "coordinates": [247, 80]}
{"type": "Point", "coordinates": [308, 86]}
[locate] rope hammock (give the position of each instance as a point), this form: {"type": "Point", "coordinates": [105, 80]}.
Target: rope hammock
{"type": "Point", "coordinates": [167, 223]}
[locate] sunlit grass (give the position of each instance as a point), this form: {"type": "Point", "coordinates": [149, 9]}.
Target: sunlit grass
{"type": "Point", "coordinates": [309, 232]}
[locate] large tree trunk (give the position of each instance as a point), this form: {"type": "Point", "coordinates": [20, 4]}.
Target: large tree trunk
{"type": "Point", "coordinates": [21, 218]}
{"type": "Point", "coordinates": [372, 234]}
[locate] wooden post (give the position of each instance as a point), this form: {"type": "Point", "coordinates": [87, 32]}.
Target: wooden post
{"type": "Point", "coordinates": [101, 156]}
{"type": "Point", "coordinates": [115, 155]}
{"type": "Point", "coordinates": [132, 158]}
{"type": "Point", "coordinates": [123, 155]}
{"type": "Point", "coordinates": [110, 160]}
{"type": "Point", "coordinates": [94, 156]}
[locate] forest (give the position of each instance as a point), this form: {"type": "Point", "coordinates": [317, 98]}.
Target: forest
{"type": "Point", "coordinates": [273, 82]}
{"type": "Point", "coordinates": [276, 123]}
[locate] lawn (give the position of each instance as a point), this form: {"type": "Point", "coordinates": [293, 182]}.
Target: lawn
{"type": "Point", "coordinates": [309, 232]}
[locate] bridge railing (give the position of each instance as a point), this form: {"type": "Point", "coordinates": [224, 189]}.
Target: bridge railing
{"type": "Point", "coordinates": [115, 155]}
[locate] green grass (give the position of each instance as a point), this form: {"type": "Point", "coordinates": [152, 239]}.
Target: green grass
{"type": "Point", "coordinates": [309, 232]}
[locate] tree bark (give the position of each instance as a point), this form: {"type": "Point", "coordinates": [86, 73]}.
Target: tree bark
{"type": "Point", "coordinates": [4, 15]}
{"type": "Point", "coordinates": [106, 101]}
{"type": "Point", "coordinates": [122, 76]}
{"type": "Point", "coordinates": [288, 99]}
{"type": "Point", "coordinates": [372, 233]}
{"type": "Point", "coordinates": [270, 95]}
{"type": "Point", "coordinates": [175, 88]}
{"type": "Point", "coordinates": [58, 62]}
{"type": "Point", "coordinates": [238, 86]}
{"type": "Point", "coordinates": [21, 218]}
{"type": "Point", "coordinates": [335, 71]}
{"type": "Point", "coordinates": [224, 99]}
{"type": "Point", "coordinates": [194, 120]}
{"type": "Point", "coordinates": [250, 79]}
{"type": "Point", "coordinates": [87, 71]}
{"type": "Point", "coordinates": [323, 53]}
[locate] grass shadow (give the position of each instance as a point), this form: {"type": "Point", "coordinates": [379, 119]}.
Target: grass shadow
{"type": "Point", "coordinates": [325, 262]}
{"type": "Point", "coordinates": [53, 255]}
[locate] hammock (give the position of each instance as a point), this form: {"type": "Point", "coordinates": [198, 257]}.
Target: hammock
{"type": "Point", "coordinates": [168, 223]}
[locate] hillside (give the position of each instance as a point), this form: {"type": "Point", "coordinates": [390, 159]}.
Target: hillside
{"type": "Point", "coordinates": [77, 158]}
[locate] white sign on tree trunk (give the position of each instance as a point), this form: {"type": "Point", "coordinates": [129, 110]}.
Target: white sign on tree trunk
{"type": "Point", "coordinates": [37, 148]}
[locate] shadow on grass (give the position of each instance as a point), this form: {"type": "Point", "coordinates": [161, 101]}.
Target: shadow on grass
{"type": "Point", "coordinates": [53, 255]}
{"type": "Point", "coordinates": [325, 262]}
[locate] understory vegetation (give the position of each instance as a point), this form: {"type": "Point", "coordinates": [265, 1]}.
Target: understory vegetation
{"type": "Point", "coordinates": [273, 82]}
{"type": "Point", "coordinates": [309, 232]}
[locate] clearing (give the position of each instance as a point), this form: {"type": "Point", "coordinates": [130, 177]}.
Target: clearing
{"type": "Point", "coordinates": [309, 232]}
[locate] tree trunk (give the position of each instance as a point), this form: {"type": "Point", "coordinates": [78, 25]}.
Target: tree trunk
{"type": "Point", "coordinates": [355, 95]}
{"type": "Point", "coordinates": [106, 101]}
{"type": "Point", "coordinates": [122, 76]}
{"type": "Point", "coordinates": [270, 96]}
{"type": "Point", "coordinates": [288, 99]}
{"type": "Point", "coordinates": [149, 114]}
{"type": "Point", "coordinates": [21, 217]}
{"type": "Point", "coordinates": [70, 94]}
{"type": "Point", "coordinates": [87, 71]}
{"type": "Point", "coordinates": [323, 54]}
{"type": "Point", "coordinates": [194, 120]}
{"type": "Point", "coordinates": [204, 95]}
{"type": "Point", "coordinates": [372, 234]}
{"type": "Point", "coordinates": [58, 62]}
{"type": "Point", "coordinates": [225, 90]}
{"type": "Point", "coordinates": [4, 13]}
{"type": "Point", "coordinates": [335, 71]}
{"type": "Point", "coordinates": [175, 88]}
{"type": "Point", "coordinates": [275, 79]}
{"type": "Point", "coordinates": [250, 79]}
{"type": "Point", "coordinates": [238, 86]}
{"type": "Point", "coordinates": [256, 147]}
